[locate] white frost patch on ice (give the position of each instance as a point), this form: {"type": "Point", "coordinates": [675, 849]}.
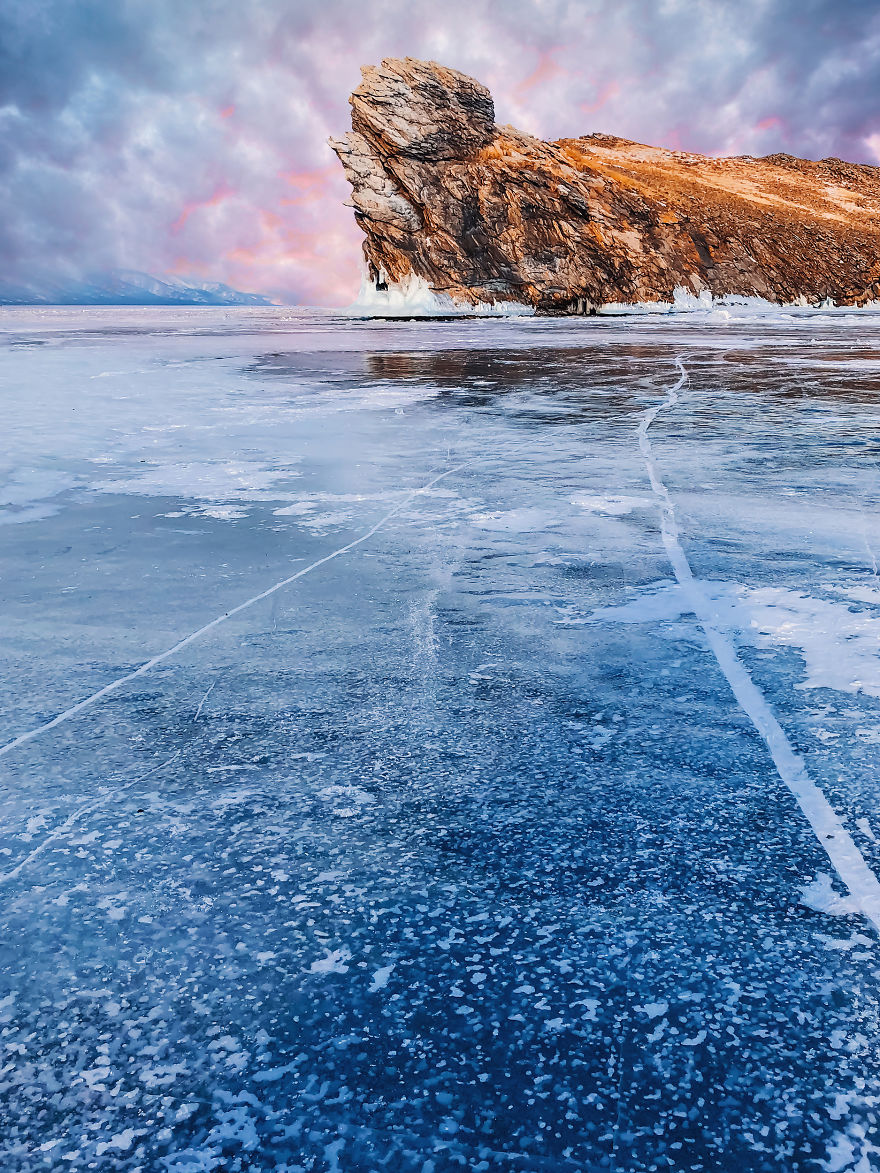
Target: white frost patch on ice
{"type": "Point", "coordinates": [413, 297]}
{"type": "Point", "coordinates": [661, 602]}
{"type": "Point", "coordinates": [591, 1008]}
{"type": "Point", "coordinates": [851, 1150]}
{"type": "Point", "coordinates": [273, 1074]}
{"type": "Point", "coordinates": [518, 521]}
{"type": "Point", "coordinates": [487, 671]}
{"type": "Point", "coordinates": [840, 1155]}
{"type": "Point", "coordinates": [820, 896]}
{"type": "Point", "coordinates": [122, 1141]}
{"type": "Point", "coordinates": [380, 978]}
{"type": "Point", "coordinates": [654, 1009]}
{"type": "Point", "coordinates": [353, 799]}
{"type": "Point", "coordinates": [298, 509]}
{"type": "Point", "coordinates": [24, 488]}
{"type": "Point", "coordinates": [314, 502]}
{"type": "Point", "coordinates": [861, 594]}
{"type": "Point", "coordinates": [109, 905]}
{"type": "Point", "coordinates": [208, 481]}
{"type": "Point", "coordinates": [699, 1037]}
{"type": "Point", "coordinates": [840, 643]}
{"type": "Point", "coordinates": [334, 962]}
{"type": "Point", "coordinates": [324, 521]}
{"type": "Point", "coordinates": [844, 944]}
{"type": "Point", "coordinates": [223, 512]}
{"type": "Point", "coordinates": [841, 646]}
{"type": "Point", "coordinates": [613, 506]}
{"type": "Point", "coordinates": [331, 1154]}
{"type": "Point", "coordinates": [35, 823]}
{"type": "Point", "coordinates": [30, 513]}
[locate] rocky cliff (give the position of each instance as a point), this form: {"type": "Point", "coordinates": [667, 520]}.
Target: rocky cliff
{"type": "Point", "coordinates": [486, 213]}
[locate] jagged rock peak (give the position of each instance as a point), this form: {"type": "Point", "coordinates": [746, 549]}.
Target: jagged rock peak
{"type": "Point", "coordinates": [487, 213]}
{"type": "Point", "coordinates": [422, 109]}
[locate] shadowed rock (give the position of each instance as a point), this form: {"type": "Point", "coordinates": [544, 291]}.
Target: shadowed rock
{"type": "Point", "coordinates": [487, 213]}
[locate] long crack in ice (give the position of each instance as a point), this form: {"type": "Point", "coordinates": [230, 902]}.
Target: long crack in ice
{"type": "Point", "coordinates": [74, 710]}
{"type": "Point", "coordinates": [848, 861]}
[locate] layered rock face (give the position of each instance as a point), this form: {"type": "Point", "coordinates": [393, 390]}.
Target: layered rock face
{"type": "Point", "coordinates": [486, 213]}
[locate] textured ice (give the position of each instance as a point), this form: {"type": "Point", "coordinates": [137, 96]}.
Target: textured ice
{"type": "Point", "coordinates": [838, 638]}
{"type": "Point", "coordinates": [457, 850]}
{"type": "Point", "coordinates": [414, 297]}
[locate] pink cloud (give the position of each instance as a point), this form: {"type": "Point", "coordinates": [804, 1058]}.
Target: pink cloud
{"type": "Point", "coordinates": [220, 194]}
{"type": "Point", "coordinates": [114, 152]}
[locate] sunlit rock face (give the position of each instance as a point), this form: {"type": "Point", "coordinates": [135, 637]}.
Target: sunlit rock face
{"type": "Point", "coordinates": [486, 213]}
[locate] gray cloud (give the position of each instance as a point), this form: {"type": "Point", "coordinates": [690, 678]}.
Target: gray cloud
{"type": "Point", "coordinates": [191, 137]}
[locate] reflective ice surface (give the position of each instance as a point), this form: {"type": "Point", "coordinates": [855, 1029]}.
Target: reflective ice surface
{"type": "Point", "coordinates": [456, 852]}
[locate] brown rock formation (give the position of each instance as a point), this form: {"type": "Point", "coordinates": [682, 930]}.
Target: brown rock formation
{"type": "Point", "coordinates": [487, 213]}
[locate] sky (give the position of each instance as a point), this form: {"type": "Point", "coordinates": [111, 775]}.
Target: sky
{"type": "Point", "coordinates": [189, 137]}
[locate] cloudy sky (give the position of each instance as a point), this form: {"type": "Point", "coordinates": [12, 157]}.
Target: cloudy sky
{"type": "Point", "coordinates": [189, 137]}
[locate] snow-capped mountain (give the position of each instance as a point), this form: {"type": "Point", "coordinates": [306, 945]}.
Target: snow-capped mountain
{"type": "Point", "coordinates": [124, 287]}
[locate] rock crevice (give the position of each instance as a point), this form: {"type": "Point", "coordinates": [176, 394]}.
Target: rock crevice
{"type": "Point", "coordinates": [487, 213]}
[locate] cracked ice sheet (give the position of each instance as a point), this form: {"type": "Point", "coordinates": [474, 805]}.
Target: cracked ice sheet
{"type": "Point", "coordinates": [838, 637]}
{"type": "Point", "coordinates": [397, 868]}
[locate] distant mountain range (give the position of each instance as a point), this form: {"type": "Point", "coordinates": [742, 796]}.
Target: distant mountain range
{"type": "Point", "coordinates": [124, 287]}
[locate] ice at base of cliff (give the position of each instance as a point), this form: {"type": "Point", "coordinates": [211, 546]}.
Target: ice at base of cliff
{"type": "Point", "coordinates": [727, 306]}
{"type": "Point", "coordinates": [414, 297]}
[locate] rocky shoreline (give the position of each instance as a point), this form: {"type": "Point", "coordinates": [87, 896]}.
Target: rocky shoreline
{"type": "Point", "coordinates": [485, 213]}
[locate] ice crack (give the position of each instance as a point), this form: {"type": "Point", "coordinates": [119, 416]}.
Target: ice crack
{"type": "Point", "coordinates": [74, 710]}
{"type": "Point", "coordinates": [848, 861]}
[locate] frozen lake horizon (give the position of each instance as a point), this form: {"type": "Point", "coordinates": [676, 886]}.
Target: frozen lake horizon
{"type": "Point", "coordinates": [439, 744]}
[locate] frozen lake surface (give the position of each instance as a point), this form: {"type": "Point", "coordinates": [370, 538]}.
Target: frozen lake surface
{"type": "Point", "coordinates": [531, 824]}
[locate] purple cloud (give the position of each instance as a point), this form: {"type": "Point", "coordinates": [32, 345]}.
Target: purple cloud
{"type": "Point", "coordinates": [191, 138]}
